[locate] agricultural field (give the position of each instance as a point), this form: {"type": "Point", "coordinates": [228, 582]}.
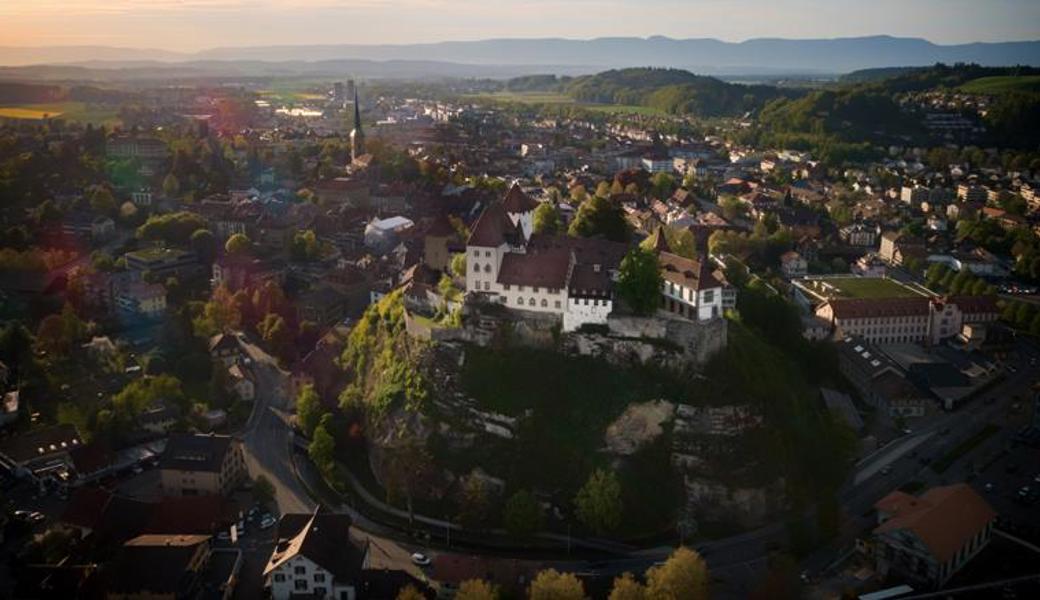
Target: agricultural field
{"type": "Point", "coordinates": [71, 111]}
{"type": "Point", "coordinates": [1002, 84]}
{"type": "Point", "coordinates": [553, 98]}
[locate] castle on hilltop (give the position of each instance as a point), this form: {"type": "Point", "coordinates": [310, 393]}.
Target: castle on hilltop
{"type": "Point", "coordinates": [574, 278]}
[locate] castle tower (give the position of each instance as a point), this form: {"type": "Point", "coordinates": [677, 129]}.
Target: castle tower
{"type": "Point", "coordinates": [357, 136]}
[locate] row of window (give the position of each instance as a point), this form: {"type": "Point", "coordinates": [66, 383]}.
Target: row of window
{"type": "Point", "coordinates": [535, 289]}
{"type": "Point", "coordinates": [531, 302]}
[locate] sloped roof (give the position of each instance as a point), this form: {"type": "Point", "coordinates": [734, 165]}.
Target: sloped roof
{"type": "Point", "coordinates": [155, 563]}
{"type": "Point", "coordinates": [517, 200]}
{"type": "Point", "coordinates": [689, 273]}
{"type": "Point", "coordinates": [858, 308]}
{"type": "Point", "coordinates": [943, 518]}
{"type": "Point", "coordinates": [547, 269]}
{"type": "Point", "coordinates": [323, 538]}
{"type": "Point", "coordinates": [493, 228]}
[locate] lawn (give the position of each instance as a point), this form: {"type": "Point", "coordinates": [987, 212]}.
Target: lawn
{"type": "Point", "coordinates": [72, 111]}
{"type": "Point", "coordinates": [864, 287]}
{"type": "Point", "coordinates": [1002, 84]}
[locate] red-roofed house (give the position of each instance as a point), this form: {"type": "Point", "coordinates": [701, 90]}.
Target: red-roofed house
{"type": "Point", "coordinates": [929, 538]}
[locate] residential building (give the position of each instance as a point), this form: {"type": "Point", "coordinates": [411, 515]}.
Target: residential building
{"type": "Point", "coordinates": [793, 265]}
{"type": "Point", "coordinates": [161, 262]}
{"type": "Point", "coordinates": [897, 248]}
{"type": "Point", "coordinates": [196, 464]}
{"type": "Point", "coordinates": [158, 567]}
{"type": "Point", "coordinates": [690, 288]}
{"type": "Point", "coordinates": [858, 234]}
{"type": "Point", "coordinates": [929, 538]}
{"type": "Point", "coordinates": [142, 299]}
{"type": "Point", "coordinates": [315, 556]}
{"type": "Point", "coordinates": [226, 348]}
{"type": "Point", "coordinates": [40, 453]}
{"type": "Point", "coordinates": [969, 192]}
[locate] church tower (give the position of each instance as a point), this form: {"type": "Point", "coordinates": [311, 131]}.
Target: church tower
{"type": "Point", "coordinates": [357, 136]}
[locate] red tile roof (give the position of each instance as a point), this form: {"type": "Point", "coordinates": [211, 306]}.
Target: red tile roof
{"type": "Point", "coordinates": [944, 518]}
{"type": "Point", "coordinates": [493, 228]}
{"type": "Point", "coordinates": [548, 269]}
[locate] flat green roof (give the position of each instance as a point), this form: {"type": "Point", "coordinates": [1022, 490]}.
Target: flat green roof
{"type": "Point", "coordinates": [860, 287]}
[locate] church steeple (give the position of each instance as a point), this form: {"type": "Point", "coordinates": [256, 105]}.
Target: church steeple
{"type": "Point", "coordinates": [357, 136]}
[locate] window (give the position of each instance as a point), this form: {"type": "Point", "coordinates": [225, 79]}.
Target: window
{"type": "Point", "coordinates": [487, 253]}
{"type": "Point", "coordinates": [557, 304]}
{"type": "Point", "coordinates": [505, 287]}
{"type": "Point", "coordinates": [487, 286]}
{"type": "Point", "coordinates": [476, 268]}
{"type": "Point", "coordinates": [319, 592]}
{"type": "Point", "coordinates": [545, 303]}
{"type": "Point", "coordinates": [279, 577]}
{"type": "Point", "coordinates": [300, 570]}
{"type": "Point", "coordinates": [319, 578]}
{"type": "Point", "coordinates": [530, 302]}
{"type": "Point", "coordinates": [709, 296]}
{"type": "Point", "coordinates": [300, 584]}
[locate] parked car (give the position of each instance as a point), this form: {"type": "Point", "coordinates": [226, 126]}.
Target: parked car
{"type": "Point", "coordinates": [224, 536]}
{"type": "Point", "coordinates": [885, 470]}
{"type": "Point", "coordinates": [267, 522]}
{"type": "Point", "coordinates": [421, 559]}
{"type": "Point", "coordinates": [30, 516]}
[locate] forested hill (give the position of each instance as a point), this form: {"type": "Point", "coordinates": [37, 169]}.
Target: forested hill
{"type": "Point", "coordinates": [671, 90]}
{"type": "Point", "coordinates": [903, 79]}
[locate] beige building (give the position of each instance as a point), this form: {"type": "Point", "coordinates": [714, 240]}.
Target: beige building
{"type": "Point", "coordinates": [198, 465]}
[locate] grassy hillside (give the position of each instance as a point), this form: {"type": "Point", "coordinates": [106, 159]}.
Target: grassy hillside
{"type": "Point", "coordinates": [1002, 84]}
{"type": "Point", "coordinates": [672, 91]}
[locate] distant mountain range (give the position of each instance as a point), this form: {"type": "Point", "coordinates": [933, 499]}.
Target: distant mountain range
{"type": "Point", "coordinates": [755, 56]}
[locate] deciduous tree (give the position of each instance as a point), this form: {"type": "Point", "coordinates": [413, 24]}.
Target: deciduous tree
{"type": "Point", "coordinates": [639, 281]}
{"type": "Point", "coordinates": [553, 585]}
{"type": "Point", "coordinates": [598, 503]}
{"type": "Point", "coordinates": [684, 576]}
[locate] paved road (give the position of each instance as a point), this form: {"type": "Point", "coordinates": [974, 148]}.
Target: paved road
{"type": "Point", "coordinates": [266, 436]}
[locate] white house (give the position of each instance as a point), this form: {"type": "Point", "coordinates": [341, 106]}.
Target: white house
{"type": "Point", "coordinates": [689, 288]}
{"type": "Point", "coordinates": [315, 557]}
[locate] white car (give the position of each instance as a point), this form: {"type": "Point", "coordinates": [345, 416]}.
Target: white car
{"type": "Point", "coordinates": [267, 522]}
{"type": "Point", "coordinates": [421, 559]}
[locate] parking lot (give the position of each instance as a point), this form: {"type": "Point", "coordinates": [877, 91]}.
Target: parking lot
{"type": "Point", "coordinates": [1002, 482]}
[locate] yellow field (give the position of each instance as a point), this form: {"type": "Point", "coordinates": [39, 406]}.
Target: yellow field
{"type": "Point", "coordinates": [25, 113]}
{"type": "Point", "coordinates": [72, 111]}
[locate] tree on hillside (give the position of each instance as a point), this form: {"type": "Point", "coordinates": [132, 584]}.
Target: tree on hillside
{"type": "Point", "coordinates": [204, 244]}
{"type": "Point", "coordinates": [553, 585]}
{"type": "Point", "coordinates": [171, 186]}
{"type": "Point", "coordinates": [684, 576]}
{"type": "Point", "coordinates": [523, 514]}
{"type": "Point", "coordinates": [547, 218]}
{"type": "Point", "coordinates": [599, 217]}
{"type": "Point", "coordinates": [639, 281]}
{"type": "Point", "coordinates": [627, 588]}
{"type": "Point", "coordinates": [603, 189]}
{"type": "Point", "coordinates": [598, 503]}
{"type": "Point", "coordinates": [476, 589]}
{"type": "Point", "coordinates": [407, 467]}
{"type": "Point", "coordinates": [322, 449]}
{"type": "Point", "coordinates": [474, 503]}
{"type": "Point", "coordinates": [238, 244]}
{"type": "Point", "coordinates": [308, 409]}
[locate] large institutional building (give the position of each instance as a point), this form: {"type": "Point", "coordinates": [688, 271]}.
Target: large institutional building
{"type": "Point", "coordinates": [571, 277]}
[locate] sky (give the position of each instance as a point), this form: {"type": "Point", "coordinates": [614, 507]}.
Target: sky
{"type": "Point", "coordinates": [188, 25]}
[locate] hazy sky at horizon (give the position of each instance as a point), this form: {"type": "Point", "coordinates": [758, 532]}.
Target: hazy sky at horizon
{"type": "Point", "coordinates": [196, 24]}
